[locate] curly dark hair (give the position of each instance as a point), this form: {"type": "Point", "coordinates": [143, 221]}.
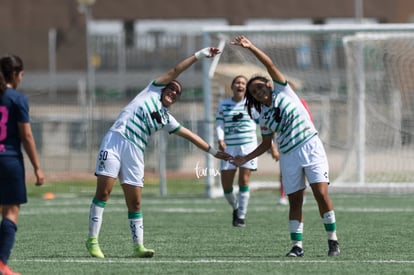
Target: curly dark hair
{"type": "Point", "coordinates": [251, 102]}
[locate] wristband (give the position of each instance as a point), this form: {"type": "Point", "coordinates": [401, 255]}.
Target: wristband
{"type": "Point", "coordinates": [212, 150]}
{"type": "Point", "coordinates": [202, 53]}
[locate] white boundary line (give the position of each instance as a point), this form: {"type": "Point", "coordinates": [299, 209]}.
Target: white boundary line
{"type": "Point", "coordinates": [204, 261]}
{"type": "Point", "coordinates": [342, 187]}
{"type": "Point", "coordinates": [54, 211]}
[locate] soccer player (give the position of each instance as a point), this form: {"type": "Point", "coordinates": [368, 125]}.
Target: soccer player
{"type": "Point", "coordinates": [15, 131]}
{"type": "Point", "coordinates": [302, 154]}
{"type": "Point", "coordinates": [236, 135]}
{"type": "Point", "coordinates": [121, 154]}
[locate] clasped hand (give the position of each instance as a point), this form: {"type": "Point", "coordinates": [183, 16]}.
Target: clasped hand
{"type": "Point", "coordinates": [237, 160]}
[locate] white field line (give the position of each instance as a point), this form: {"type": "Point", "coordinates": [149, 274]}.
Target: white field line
{"type": "Point", "coordinates": [205, 261]}
{"type": "Point", "coordinates": [118, 209]}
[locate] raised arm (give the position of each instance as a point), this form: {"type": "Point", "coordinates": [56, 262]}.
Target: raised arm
{"type": "Point", "coordinates": [173, 73]}
{"type": "Point", "coordinates": [274, 73]}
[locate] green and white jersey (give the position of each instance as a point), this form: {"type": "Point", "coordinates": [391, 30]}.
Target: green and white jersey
{"type": "Point", "coordinates": [143, 116]}
{"type": "Point", "coordinates": [234, 125]}
{"type": "Point", "coordinates": [288, 118]}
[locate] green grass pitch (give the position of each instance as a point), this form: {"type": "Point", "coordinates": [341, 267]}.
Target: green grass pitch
{"type": "Point", "coordinates": [193, 235]}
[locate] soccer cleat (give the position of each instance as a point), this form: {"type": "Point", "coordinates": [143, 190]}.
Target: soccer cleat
{"type": "Point", "coordinates": [236, 221]}
{"type": "Point", "coordinates": [333, 248]}
{"type": "Point", "coordinates": [296, 251]}
{"type": "Point", "coordinates": [235, 218]}
{"type": "Point", "coordinates": [239, 223]}
{"type": "Point", "coordinates": [141, 252]}
{"type": "Point", "coordinates": [6, 270]}
{"type": "Point", "coordinates": [93, 247]}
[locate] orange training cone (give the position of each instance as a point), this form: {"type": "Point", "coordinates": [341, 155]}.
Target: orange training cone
{"type": "Point", "coordinates": [49, 196]}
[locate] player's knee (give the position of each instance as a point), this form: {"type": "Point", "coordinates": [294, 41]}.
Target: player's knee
{"type": "Point", "coordinates": [134, 205]}
{"type": "Point", "coordinates": [103, 195]}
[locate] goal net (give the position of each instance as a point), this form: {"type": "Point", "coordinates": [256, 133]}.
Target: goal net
{"type": "Point", "coordinates": [358, 81]}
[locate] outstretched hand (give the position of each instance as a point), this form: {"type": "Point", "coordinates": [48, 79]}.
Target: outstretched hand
{"type": "Point", "coordinates": [208, 52]}
{"type": "Point", "coordinates": [241, 40]}
{"type": "Point", "coordinates": [223, 155]}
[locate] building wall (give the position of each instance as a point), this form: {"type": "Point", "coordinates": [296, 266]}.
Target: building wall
{"type": "Point", "coordinates": [24, 27]}
{"type": "Point", "coordinates": [236, 11]}
{"type": "Point", "coordinates": [25, 24]}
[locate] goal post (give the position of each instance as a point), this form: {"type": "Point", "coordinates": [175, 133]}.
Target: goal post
{"type": "Point", "coordinates": [374, 58]}
{"type": "Point", "coordinates": [358, 81]}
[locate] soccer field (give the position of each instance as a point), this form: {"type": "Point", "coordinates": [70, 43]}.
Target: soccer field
{"type": "Point", "coordinates": [193, 235]}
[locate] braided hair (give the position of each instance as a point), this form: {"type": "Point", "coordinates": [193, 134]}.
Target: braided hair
{"type": "Point", "coordinates": [251, 102]}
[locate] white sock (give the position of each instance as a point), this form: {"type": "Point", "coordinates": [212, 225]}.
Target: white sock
{"type": "Point", "coordinates": [137, 230]}
{"type": "Point", "coordinates": [231, 198]}
{"type": "Point", "coordinates": [296, 232]}
{"type": "Point", "coordinates": [329, 222]}
{"type": "Point", "coordinates": [243, 203]}
{"type": "Point", "coordinates": [95, 220]}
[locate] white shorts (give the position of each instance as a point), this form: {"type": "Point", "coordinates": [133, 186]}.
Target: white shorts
{"type": "Point", "coordinates": [309, 160]}
{"type": "Point", "coordinates": [240, 151]}
{"type": "Point", "coordinates": [119, 158]}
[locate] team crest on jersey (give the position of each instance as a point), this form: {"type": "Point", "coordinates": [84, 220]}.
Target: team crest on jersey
{"type": "Point", "coordinates": [101, 166]}
{"type": "Point", "coordinates": [276, 114]}
{"type": "Point", "coordinates": [156, 116]}
{"type": "Point", "coordinates": [161, 117]}
{"type": "Point", "coordinates": [237, 117]}
{"type": "Point", "coordinates": [165, 117]}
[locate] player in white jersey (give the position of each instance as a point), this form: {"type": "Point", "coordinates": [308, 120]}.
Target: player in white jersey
{"type": "Point", "coordinates": [302, 154]}
{"type": "Point", "coordinates": [236, 135]}
{"type": "Point", "coordinates": [121, 154]}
